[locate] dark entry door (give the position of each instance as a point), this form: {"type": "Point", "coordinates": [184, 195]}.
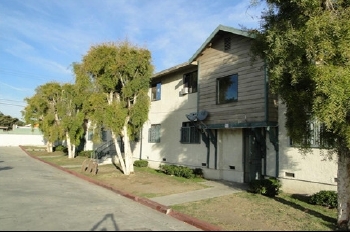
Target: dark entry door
{"type": "Point", "coordinates": [252, 155]}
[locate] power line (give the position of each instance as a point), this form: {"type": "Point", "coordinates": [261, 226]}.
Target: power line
{"type": "Point", "coordinates": [2, 103]}
{"type": "Point", "coordinates": [3, 99]}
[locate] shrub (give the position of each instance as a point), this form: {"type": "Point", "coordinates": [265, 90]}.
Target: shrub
{"type": "Point", "coordinates": [268, 187]}
{"type": "Point", "coordinates": [141, 163]}
{"type": "Point", "coordinates": [326, 198]}
{"type": "Point", "coordinates": [61, 148]}
{"type": "Point", "coordinates": [198, 172]}
{"type": "Point", "coordinates": [179, 171]}
{"type": "Point", "coordinates": [85, 153]}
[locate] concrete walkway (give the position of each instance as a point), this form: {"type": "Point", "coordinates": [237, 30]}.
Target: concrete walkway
{"type": "Point", "coordinates": [216, 189]}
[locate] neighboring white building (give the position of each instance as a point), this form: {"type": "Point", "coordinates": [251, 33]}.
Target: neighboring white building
{"type": "Point", "coordinates": [24, 135]}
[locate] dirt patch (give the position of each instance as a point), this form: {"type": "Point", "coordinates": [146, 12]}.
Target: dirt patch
{"type": "Point", "coordinates": [145, 184]}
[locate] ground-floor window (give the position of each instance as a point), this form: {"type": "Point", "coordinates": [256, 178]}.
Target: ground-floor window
{"type": "Point", "coordinates": [154, 133]}
{"type": "Point", "coordinates": [189, 133]}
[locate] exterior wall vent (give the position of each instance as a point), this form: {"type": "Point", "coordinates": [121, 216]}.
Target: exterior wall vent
{"type": "Point", "coordinates": [289, 174]}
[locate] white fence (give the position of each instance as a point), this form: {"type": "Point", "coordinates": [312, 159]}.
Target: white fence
{"type": "Point", "coordinates": [25, 136]}
{"type": "Point", "coordinates": [20, 139]}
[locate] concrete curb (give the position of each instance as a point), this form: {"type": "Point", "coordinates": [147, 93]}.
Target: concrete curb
{"type": "Point", "coordinates": [203, 225]}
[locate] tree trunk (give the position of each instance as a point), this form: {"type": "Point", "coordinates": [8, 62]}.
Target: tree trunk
{"type": "Point", "coordinates": [73, 150]}
{"type": "Point", "coordinates": [129, 167]}
{"type": "Point", "coordinates": [119, 153]}
{"type": "Point", "coordinates": [343, 191]}
{"type": "Point", "coordinates": [49, 146]}
{"type": "Point", "coordinates": [87, 124]}
{"type": "Point", "coordinates": [69, 146]}
{"type": "Point", "coordinates": [129, 155]}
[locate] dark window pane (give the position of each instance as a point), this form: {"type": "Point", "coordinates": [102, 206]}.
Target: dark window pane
{"type": "Point", "coordinates": [156, 92]}
{"type": "Point", "coordinates": [227, 89]}
{"type": "Point", "coordinates": [191, 81]}
{"type": "Point", "coordinates": [189, 133]}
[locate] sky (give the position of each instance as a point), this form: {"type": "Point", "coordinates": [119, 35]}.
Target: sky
{"type": "Point", "coordinates": [41, 39]}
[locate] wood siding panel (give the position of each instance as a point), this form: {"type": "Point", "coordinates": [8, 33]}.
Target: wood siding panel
{"type": "Point", "coordinates": [215, 63]}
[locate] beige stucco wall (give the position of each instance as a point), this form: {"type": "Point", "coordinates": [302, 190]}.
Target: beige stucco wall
{"type": "Point", "coordinates": [271, 158]}
{"type": "Point", "coordinates": [312, 172]}
{"type": "Point", "coordinates": [170, 112]}
{"type": "Point", "coordinates": [229, 153]}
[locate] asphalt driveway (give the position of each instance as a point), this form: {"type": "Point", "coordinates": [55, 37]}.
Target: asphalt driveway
{"type": "Point", "coordinates": [37, 196]}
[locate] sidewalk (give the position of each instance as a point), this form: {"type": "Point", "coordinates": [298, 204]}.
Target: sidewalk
{"type": "Point", "coordinates": [216, 189]}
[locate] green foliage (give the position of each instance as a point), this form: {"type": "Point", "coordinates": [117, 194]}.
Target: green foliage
{"type": "Point", "coordinates": [7, 120]}
{"type": "Point", "coordinates": [180, 171]}
{"type": "Point", "coordinates": [268, 187]}
{"type": "Point", "coordinates": [42, 109]}
{"type": "Point", "coordinates": [61, 148]}
{"type": "Point", "coordinates": [326, 198]}
{"type": "Point", "coordinates": [85, 153]}
{"type": "Point", "coordinates": [141, 163]}
{"type": "Point", "coordinates": [305, 46]}
{"type": "Point", "coordinates": [57, 108]}
{"type": "Point", "coordinates": [119, 76]}
{"type": "Point", "coordinates": [198, 172]}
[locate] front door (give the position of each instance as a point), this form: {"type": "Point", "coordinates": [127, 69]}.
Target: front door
{"type": "Point", "coordinates": [252, 154]}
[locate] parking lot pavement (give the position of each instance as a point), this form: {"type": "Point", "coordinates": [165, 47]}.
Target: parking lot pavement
{"type": "Point", "coordinates": [37, 196]}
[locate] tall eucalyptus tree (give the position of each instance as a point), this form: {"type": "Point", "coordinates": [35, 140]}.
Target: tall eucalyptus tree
{"type": "Point", "coordinates": [306, 48]}
{"type": "Point", "coordinates": [118, 98]}
{"type": "Point", "coordinates": [71, 117]}
{"type": "Point", "coordinates": [42, 109]}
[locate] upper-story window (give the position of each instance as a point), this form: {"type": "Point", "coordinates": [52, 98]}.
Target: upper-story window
{"type": "Point", "coordinates": [227, 89]}
{"type": "Point", "coordinates": [190, 81]}
{"type": "Point", "coordinates": [156, 91]}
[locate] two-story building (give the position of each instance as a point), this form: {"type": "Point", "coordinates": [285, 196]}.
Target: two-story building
{"type": "Point", "coordinates": [216, 112]}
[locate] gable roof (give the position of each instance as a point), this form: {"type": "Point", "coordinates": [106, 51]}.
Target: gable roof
{"type": "Point", "coordinates": [189, 63]}
{"type": "Point", "coordinates": [213, 34]}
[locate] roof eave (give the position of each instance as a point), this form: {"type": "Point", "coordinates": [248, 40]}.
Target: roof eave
{"type": "Point", "coordinates": [172, 69]}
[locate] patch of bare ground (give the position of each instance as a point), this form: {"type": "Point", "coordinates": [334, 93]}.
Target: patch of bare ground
{"type": "Point", "coordinates": [244, 211]}
{"type": "Point", "coordinates": [145, 184]}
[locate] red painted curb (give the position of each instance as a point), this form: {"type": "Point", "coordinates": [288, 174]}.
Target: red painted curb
{"type": "Point", "coordinates": [194, 221]}
{"type": "Point", "coordinates": [145, 201]}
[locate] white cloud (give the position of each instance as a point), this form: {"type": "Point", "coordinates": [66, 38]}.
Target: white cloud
{"type": "Point", "coordinates": [15, 88]}
{"type": "Point", "coordinates": [43, 38]}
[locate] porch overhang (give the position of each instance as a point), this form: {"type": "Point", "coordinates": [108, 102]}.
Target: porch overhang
{"type": "Point", "coordinates": [231, 125]}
